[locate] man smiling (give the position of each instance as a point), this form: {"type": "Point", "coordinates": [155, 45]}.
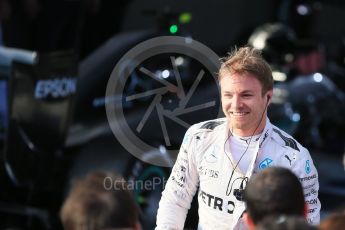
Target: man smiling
{"type": "Point", "coordinates": [219, 156]}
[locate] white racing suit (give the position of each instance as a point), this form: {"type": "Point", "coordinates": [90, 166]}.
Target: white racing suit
{"type": "Point", "coordinates": [204, 164]}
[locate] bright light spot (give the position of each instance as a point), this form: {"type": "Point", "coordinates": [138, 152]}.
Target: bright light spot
{"type": "Point", "coordinates": [185, 17]}
{"type": "Point", "coordinates": [165, 73]}
{"type": "Point", "coordinates": [279, 76]}
{"type": "Point", "coordinates": [260, 41]}
{"type": "Point", "coordinates": [288, 57]}
{"type": "Point", "coordinates": [173, 29]}
{"type": "Point", "coordinates": [179, 61]}
{"type": "Point", "coordinates": [296, 117]}
{"type": "Point", "coordinates": [162, 149]}
{"type": "Point", "coordinates": [188, 40]}
{"type": "Point", "coordinates": [302, 10]}
{"type": "Point", "coordinates": [318, 77]}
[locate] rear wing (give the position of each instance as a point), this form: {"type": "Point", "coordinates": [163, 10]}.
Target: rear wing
{"type": "Point", "coordinates": [40, 103]}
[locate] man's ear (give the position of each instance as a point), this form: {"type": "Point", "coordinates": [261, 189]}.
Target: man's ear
{"type": "Point", "coordinates": [269, 96]}
{"type": "Point", "coordinates": [249, 222]}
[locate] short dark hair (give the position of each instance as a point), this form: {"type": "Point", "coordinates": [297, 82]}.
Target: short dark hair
{"type": "Point", "coordinates": [92, 204]}
{"type": "Point", "coordinates": [284, 222]}
{"type": "Point", "coordinates": [274, 191]}
{"type": "Point", "coordinates": [248, 60]}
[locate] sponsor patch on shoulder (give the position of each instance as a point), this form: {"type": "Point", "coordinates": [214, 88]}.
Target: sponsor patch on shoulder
{"type": "Point", "coordinates": [307, 167]}
{"type": "Point", "coordinates": [265, 163]}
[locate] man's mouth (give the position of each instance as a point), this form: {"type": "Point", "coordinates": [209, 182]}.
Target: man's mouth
{"type": "Point", "coordinates": [239, 114]}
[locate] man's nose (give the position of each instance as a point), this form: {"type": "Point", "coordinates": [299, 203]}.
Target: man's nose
{"type": "Point", "coordinates": [236, 102]}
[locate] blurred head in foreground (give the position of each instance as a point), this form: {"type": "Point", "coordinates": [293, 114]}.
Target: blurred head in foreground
{"type": "Point", "coordinates": [100, 201]}
{"type": "Point", "coordinates": [273, 191]}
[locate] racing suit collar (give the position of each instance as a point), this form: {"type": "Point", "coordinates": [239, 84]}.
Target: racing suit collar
{"type": "Point", "coordinates": [262, 140]}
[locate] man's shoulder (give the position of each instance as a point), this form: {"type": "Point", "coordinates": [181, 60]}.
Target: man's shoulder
{"type": "Point", "coordinates": [206, 130]}
{"type": "Point", "coordinates": [285, 140]}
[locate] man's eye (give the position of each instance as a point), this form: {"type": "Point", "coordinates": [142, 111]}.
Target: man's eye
{"type": "Point", "coordinates": [247, 95]}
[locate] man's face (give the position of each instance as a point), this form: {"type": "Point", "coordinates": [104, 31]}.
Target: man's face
{"type": "Point", "coordinates": [243, 103]}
